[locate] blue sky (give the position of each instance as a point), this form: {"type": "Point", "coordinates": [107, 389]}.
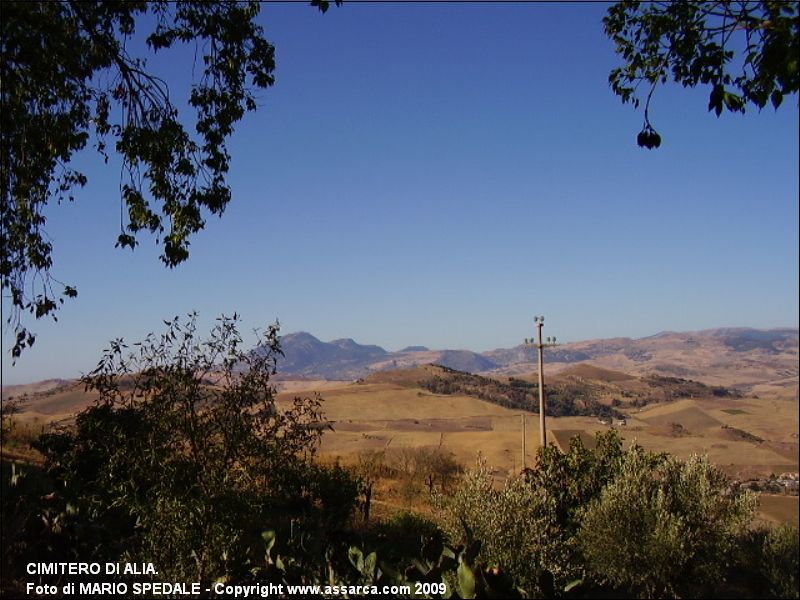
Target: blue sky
{"type": "Point", "coordinates": [437, 174]}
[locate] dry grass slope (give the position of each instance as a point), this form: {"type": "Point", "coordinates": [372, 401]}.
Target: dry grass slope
{"type": "Point", "coordinates": [391, 410]}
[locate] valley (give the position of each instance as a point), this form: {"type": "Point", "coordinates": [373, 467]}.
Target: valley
{"type": "Point", "coordinates": [749, 429]}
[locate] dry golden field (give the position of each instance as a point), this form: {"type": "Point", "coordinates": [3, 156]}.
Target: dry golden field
{"type": "Point", "coordinates": [378, 415]}
{"type": "Point", "coordinates": [779, 509]}
{"type": "Point", "coordinates": [748, 437]}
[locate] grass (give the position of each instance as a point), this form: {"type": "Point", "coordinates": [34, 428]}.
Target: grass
{"type": "Point", "coordinates": [18, 440]}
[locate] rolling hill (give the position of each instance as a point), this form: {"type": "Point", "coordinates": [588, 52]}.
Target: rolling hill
{"type": "Point", "coordinates": [755, 361]}
{"type": "Point", "coordinates": [741, 357]}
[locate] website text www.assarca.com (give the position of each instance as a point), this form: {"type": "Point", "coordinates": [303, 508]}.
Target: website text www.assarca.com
{"type": "Point", "coordinates": [266, 590]}
{"type": "Point", "coordinates": [173, 590]}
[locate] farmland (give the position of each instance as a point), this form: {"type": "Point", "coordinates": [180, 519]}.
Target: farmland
{"type": "Point", "coordinates": [747, 437]}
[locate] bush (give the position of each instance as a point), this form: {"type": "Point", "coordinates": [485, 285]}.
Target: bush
{"type": "Point", "coordinates": [664, 527]}
{"type": "Point", "coordinates": [185, 459]}
{"type": "Point", "coordinates": [400, 536]}
{"type": "Point", "coordinates": [423, 468]}
{"type": "Point", "coordinates": [779, 561]}
{"type": "Point", "coordinates": [634, 521]}
{"type": "Point", "coordinates": [413, 524]}
{"type": "Point", "coordinates": [26, 532]}
{"type": "Point", "coordinates": [511, 523]}
{"type": "Point", "coordinates": [528, 527]}
{"type": "Point", "coordinates": [571, 479]}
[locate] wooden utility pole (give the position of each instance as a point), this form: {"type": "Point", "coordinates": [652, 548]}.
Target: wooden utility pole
{"type": "Point", "coordinates": [539, 321]}
{"type": "Point", "coordinates": [542, 406]}
{"type": "Point", "coordinates": [524, 443]}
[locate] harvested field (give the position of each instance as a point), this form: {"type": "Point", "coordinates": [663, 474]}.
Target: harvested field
{"type": "Point", "coordinates": [690, 418]}
{"type": "Point", "coordinates": [563, 437]}
{"type": "Point", "coordinates": [588, 371]}
{"type": "Point", "coordinates": [390, 409]}
{"type": "Point", "coordinates": [669, 430]}
{"type": "Point", "coordinates": [779, 509]}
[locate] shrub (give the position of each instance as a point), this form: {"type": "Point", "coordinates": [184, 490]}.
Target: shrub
{"type": "Point", "coordinates": [664, 527]}
{"type": "Point", "coordinates": [511, 523]}
{"type": "Point", "coordinates": [26, 532]}
{"type": "Point", "coordinates": [779, 561]}
{"type": "Point", "coordinates": [569, 480]}
{"type": "Point", "coordinates": [528, 526]}
{"type": "Point", "coordinates": [400, 536]}
{"type": "Point", "coordinates": [424, 468]}
{"type": "Point", "coordinates": [185, 458]}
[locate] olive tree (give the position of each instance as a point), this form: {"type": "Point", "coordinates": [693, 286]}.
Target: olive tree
{"type": "Point", "coordinates": [664, 528]}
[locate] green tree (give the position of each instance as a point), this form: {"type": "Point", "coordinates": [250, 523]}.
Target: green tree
{"type": "Point", "coordinates": [628, 521]}
{"type": "Point", "coordinates": [510, 523]}
{"type": "Point", "coordinates": [780, 561]}
{"type": "Point", "coordinates": [69, 78]}
{"type": "Point", "coordinates": [529, 526]}
{"type": "Point", "coordinates": [571, 479]}
{"type": "Point", "coordinates": [185, 459]}
{"type": "Point", "coordinates": [664, 527]}
{"type": "Point", "coordinates": [745, 51]}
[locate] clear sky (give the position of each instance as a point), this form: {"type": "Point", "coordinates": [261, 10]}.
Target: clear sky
{"type": "Point", "coordinates": [438, 174]}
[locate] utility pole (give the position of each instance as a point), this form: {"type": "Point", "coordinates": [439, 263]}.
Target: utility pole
{"type": "Point", "coordinates": [524, 444]}
{"type": "Point", "coordinates": [539, 321]}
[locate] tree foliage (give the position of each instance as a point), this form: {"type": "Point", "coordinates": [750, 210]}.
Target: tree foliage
{"type": "Point", "coordinates": [664, 527]}
{"type": "Point", "coordinates": [780, 561]}
{"type": "Point", "coordinates": [615, 520]}
{"type": "Point", "coordinates": [70, 79]}
{"type": "Point", "coordinates": [509, 522]}
{"type": "Point", "coordinates": [745, 51]}
{"type": "Point", "coordinates": [185, 458]}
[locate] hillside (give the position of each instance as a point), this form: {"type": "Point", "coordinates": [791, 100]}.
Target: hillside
{"type": "Point", "coordinates": [429, 405]}
{"type": "Point", "coordinates": [582, 390]}
{"type": "Point", "coordinates": [740, 357]}
{"type": "Point", "coordinates": [562, 400]}
{"type": "Point", "coordinates": [754, 361]}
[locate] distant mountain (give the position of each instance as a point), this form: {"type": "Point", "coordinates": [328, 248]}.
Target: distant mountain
{"type": "Point", "coordinates": [522, 354]}
{"type": "Point", "coordinates": [340, 359]}
{"type": "Point", "coordinates": [307, 356]}
{"type": "Point", "coordinates": [743, 357]}
{"type": "Point", "coordinates": [728, 356]}
{"type": "Point", "coordinates": [743, 339]}
{"type": "Point", "coordinates": [754, 360]}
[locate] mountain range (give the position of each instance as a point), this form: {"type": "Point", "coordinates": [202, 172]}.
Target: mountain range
{"type": "Point", "coordinates": [753, 360]}
{"type": "Point", "coordinates": [727, 356]}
